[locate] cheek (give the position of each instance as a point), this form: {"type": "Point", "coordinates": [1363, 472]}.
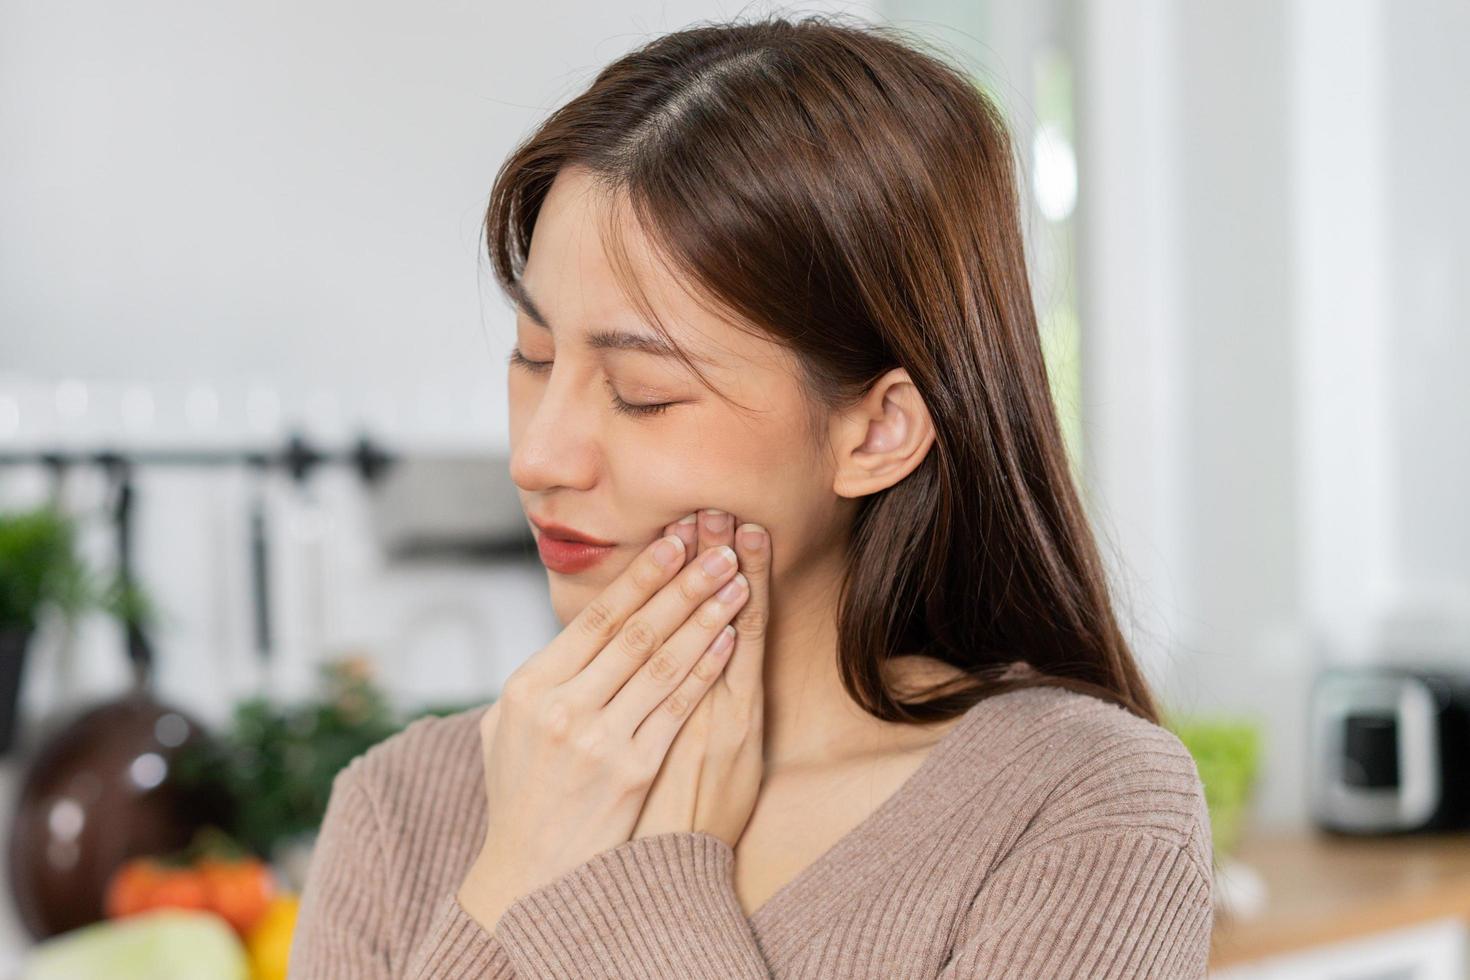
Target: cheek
{"type": "Point", "coordinates": [669, 480]}
{"type": "Point", "coordinates": [790, 501]}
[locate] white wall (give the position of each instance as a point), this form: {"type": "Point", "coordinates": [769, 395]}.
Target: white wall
{"type": "Point", "coordinates": [1427, 144]}
{"type": "Point", "coordinates": [1275, 341]}
{"type": "Point", "coordinates": [287, 193]}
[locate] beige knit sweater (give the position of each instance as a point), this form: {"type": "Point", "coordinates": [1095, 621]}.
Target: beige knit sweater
{"type": "Point", "coordinates": [1047, 834]}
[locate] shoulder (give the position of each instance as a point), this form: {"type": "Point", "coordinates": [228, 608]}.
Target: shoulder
{"type": "Point", "coordinates": [1089, 766]}
{"type": "Point", "coordinates": [434, 756]}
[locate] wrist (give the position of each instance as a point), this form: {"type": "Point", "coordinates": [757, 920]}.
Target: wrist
{"type": "Point", "coordinates": [483, 894]}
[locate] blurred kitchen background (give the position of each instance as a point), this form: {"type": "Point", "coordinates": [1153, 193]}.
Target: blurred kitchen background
{"type": "Point", "coordinates": [253, 432]}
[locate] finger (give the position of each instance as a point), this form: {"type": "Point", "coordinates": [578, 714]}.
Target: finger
{"type": "Point", "coordinates": [687, 528]}
{"type": "Point", "coordinates": [716, 527]}
{"type": "Point", "coordinates": [571, 650]}
{"type": "Point", "coordinates": [747, 666]}
{"type": "Point", "coordinates": [648, 627]}
{"type": "Point", "coordinates": [659, 728]}
{"type": "Point", "coordinates": [663, 672]}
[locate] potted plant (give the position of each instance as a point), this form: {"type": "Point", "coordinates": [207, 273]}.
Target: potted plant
{"type": "Point", "coordinates": [276, 762]}
{"type": "Point", "coordinates": [39, 568]}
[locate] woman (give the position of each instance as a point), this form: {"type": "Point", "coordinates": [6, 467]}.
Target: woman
{"type": "Point", "coordinates": [772, 273]}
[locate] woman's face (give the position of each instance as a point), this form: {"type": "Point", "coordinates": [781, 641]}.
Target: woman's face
{"type": "Point", "coordinates": [580, 461]}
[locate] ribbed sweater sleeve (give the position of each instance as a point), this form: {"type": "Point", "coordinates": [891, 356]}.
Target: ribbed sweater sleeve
{"type": "Point", "coordinates": [1103, 905]}
{"type": "Point", "coordinates": [345, 924]}
{"type": "Point", "coordinates": [652, 907]}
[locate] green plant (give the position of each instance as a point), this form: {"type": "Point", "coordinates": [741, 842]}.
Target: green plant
{"type": "Point", "coordinates": [1227, 753]}
{"type": "Point", "coordinates": [276, 763]}
{"type": "Point", "coordinates": [125, 601]}
{"type": "Point", "coordinates": [39, 567]}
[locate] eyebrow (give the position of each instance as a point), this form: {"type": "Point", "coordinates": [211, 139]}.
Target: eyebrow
{"type": "Point", "coordinates": [600, 339]}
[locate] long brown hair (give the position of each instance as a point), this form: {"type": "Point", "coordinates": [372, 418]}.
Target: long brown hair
{"type": "Point", "coordinates": [854, 197]}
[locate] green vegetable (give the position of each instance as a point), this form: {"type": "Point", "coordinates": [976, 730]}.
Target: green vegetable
{"type": "Point", "coordinates": [167, 944]}
{"type": "Point", "coordinates": [1227, 753]}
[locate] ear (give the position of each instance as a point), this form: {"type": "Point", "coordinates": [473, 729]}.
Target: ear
{"type": "Point", "coordinates": [883, 438]}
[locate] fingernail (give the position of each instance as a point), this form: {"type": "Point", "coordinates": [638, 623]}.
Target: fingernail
{"type": "Point", "coordinates": [732, 589]}
{"type": "Point", "coordinates": [716, 521]}
{"type": "Point", "coordinates": [689, 519]}
{"type": "Point", "coordinates": [668, 550]}
{"type": "Point", "coordinates": [722, 642]}
{"type": "Point", "coordinates": [753, 536]}
{"type": "Point", "coordinates": [719, 560]}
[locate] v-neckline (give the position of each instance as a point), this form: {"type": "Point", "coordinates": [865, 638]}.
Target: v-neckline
{"type": "Point", "coordinates": [772, 909]}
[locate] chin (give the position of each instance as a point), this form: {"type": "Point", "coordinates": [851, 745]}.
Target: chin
{"type": "Point", "coordinates": [570, 594]}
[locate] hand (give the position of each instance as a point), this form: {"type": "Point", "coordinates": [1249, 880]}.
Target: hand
{"type": "Point", "coordinates": [581, 728]}
{"type": "Point", "coordinates": [712, 773]}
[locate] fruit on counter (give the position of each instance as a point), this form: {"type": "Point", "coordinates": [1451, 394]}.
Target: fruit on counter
{"type": "Point", "coordinates": [161, 944]}
{"type": "Point", "coordinates": [235, 885]}
{"type": "Point", "coordinates": [145, 883]}
{"type": "Point", "coordinates": [240, 890]}
{"type": "Point", "coordinates": [269, 943]}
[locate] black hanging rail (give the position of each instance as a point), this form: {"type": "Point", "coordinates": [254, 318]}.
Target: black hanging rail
{"type": "Point", "coordinates": [298, 457]}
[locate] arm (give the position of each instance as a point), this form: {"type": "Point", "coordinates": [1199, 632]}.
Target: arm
{"type": "Point", "coordinates": [652, 907]}
{"type": "Point", "coordinates": [1098, 904]}
{"type": "Point", "coordinates": [346, 925]}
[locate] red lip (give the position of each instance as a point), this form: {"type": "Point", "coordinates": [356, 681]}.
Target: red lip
{"type": "Point", "coordinates": [563, 533]}
{"type": "Point", "coordinates": [570, 557]}
{"type": "Point", "coordinates": [568, 551]}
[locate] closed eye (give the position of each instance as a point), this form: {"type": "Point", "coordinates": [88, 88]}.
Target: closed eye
{"type": "Point", "coordinates": [517, 359]}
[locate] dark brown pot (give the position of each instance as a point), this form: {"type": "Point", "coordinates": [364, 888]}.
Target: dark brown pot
{"type": "Point", "coordinates": [98, 792]}
{"type": "Point", "coordinates": [13, 643]}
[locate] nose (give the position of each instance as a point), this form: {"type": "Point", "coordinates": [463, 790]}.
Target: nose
{"type": "Point", "coordinates": [554, 436]}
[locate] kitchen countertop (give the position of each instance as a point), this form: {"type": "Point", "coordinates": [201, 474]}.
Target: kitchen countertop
{"type": "Point", "coordinates": [1324, 888]}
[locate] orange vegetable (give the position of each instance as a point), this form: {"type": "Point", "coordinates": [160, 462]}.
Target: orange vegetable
{"type": "Point", "coordinates": [145, 883]}
{"type": "Point", "coordinates": [240, 890]}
